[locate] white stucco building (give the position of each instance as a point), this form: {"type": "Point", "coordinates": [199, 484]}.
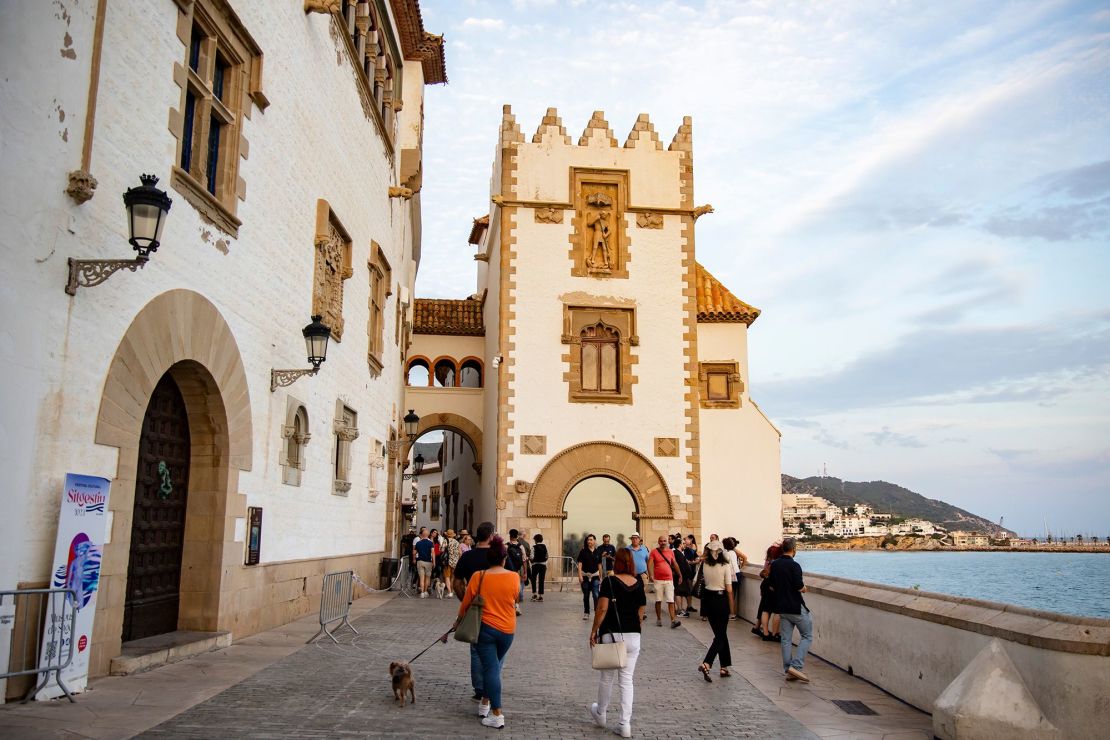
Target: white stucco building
{"type": "Point", "coordinates": [596, 346]}
{"type": "Point", "coordinates": [288, 136]}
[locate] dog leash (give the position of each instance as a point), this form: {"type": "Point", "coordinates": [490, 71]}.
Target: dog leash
{"type": "Point", "coordinates": [438, 639]}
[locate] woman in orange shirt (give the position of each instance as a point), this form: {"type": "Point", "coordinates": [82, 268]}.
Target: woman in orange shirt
{"type": "Point", "coordinates": [498, 626]}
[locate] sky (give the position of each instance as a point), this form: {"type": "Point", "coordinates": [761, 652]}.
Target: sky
{"type": "Point", "coordinates": [917, 196]}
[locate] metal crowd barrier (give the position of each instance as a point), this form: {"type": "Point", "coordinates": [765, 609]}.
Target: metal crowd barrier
{"type": "Point", "coordinates": [335, 603]}
{"type": "Point", "coordinates": [36, 616]}
{"type": "Point", "coordinates": [563, 571]}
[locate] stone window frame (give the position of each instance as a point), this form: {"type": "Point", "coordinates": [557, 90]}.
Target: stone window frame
{"type": "Point", "coordinates": [433, 494]}
{"type": "Point", "coordinates": [731, 370]}
{"type": "Point", "coordinates": [577, 317]}
{"type": "Point", "coordinates": [345, 429]}
{"type": "Point", "coordinates": [223, 35]}
{"type": "Point", "coordinates": [372, 48]}
{"type": "Point", "coordinates": [377, 463]}
{"type": "Point", "coordinates": [296, 435]}
{"type": "Point", "coordinates": [620, 252]}
{"type": "Point", "coordinates": [324, 284]}
{"type": "Point", "coordinates": [381, 288]}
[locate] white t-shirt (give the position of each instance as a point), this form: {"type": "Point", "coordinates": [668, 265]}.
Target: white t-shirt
{"type": "Point", "coordinates": [733, 563]}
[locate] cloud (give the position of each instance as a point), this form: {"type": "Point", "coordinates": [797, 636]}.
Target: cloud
{"type": "Point", "coordinates": [1062, 223]}
{"type": "Point", "coordinates": [800, 423]}
{"type": "Point", "coordinates": [484, 24]}
{"type": "Point", "coordinates": [980, 364]}
{"type": "Point", "coordinates": [886, 436]}
{"type": "Point", "coordinates": [1087, 181]}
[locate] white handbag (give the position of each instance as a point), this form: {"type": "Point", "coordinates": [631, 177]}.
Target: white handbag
{"type": "Point", "coordinates": [605, 656]}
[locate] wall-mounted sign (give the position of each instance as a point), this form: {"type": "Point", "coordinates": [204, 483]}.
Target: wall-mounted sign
{"type": "Point", "coordinates": [77, 553]}
{"type": "Point", "coordinates": [254, 534]}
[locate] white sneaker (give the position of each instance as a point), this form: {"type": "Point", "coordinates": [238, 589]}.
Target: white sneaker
{"type": "Point", "coordinates": [423, 594]}
{"type": "Point", "coordinates": [623, 730]}
{"type": "Point", "coordinates": [599, 717]}
{"type": "Point", "coordinates": [483, 710]}
{"type": "Point", "coordinates": [585, 617]}
{"type": "Point", "coordinates": [497, 721]}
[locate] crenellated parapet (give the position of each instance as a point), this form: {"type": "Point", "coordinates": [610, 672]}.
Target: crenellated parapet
{"type": "Point", "coordinates": [643, 134]}
{"type": "Point", "coordinates": [510, 129]}
{"type": "Point", "coordinates": [551, 129]}
{"type": "Point", "coordinates": [597, 132]}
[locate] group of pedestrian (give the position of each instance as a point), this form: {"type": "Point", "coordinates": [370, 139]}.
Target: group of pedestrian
{"type": "Point", "coordinates": [614, 582]}
{"type": "Point", "coordinates": [433, 557]}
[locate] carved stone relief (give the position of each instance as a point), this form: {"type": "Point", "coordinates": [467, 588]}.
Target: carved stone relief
{"type": "Point", "coordinates": [666, 446]}
{"type": "Point", "coordinates": [522, 486]}
{"type": "Point", "coordinates": [533, 444]}
{"type": "Point", "coordinates": [82, 185]}
{"type": "Point", "coordinates": [599, 240]}
{"type": "Point", "coordinates": [649, 220]}
{"type": "Point", "coordinates": [549, 215]}
{"type": "Point", "coordinates": [331, 269]}
{"type": "Point", "coordinates": [598, 219]}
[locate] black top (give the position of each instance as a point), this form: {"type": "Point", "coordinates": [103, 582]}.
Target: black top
{"type": "Point", "coordinates": [786, 586]}
{"type": "Point", "coordinates": [539, 553]}
{"type": "Point", "coordinates": [624, 603]}
{"type": "Point", "coordinates": [472, 561]}
{"type": "Point", "coordinates": [690, 553]}
{"type": "Point", "coordinates": [589, 560]}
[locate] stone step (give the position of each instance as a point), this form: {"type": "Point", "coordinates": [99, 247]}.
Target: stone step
{"type": "Point", "coordinates": [150, 652]}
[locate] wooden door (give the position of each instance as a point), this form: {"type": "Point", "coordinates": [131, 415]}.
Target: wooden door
{"type": "Point", "coordinates": [158, 525]}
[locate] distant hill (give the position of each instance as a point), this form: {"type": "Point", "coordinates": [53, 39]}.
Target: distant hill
{"type": "Point", "coordinates": [893, 499]}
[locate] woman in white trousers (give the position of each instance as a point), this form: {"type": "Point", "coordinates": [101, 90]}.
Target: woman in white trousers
{"type": "Point", "coordinates": [617, 618]}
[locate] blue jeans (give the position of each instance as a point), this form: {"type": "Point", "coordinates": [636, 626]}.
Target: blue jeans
{"type": "Point", "coordinates": [476, 671]}
{"type": "Point", "coordinates": [590, 586]}
{"type": "Point", "coordinates": [804, 623]}
{"type": "Point", "coordinates": [492, 646]}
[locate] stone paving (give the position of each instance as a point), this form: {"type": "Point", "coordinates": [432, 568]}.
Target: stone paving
{"type": "Point", "coordinates": [328, 690]}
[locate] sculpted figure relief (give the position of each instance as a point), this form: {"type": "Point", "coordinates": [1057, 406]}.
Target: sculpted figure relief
{"type": "Point", "coordinates": [599, 212]}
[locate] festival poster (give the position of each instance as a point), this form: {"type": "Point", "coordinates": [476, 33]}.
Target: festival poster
{"type": "Point", "coordinates": [77, 555]}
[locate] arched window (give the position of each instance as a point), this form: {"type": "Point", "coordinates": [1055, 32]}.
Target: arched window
{"type": "Point", "coordinates": [445, 376]}
{"type": "Point", "coordinates": [470, 376]}
{"type": "Point", "coordinates": [419, 373]}
{"type": "Point", "coordinates": [296, 438]}
{"type": "Point", "coordinates": [600, 359]}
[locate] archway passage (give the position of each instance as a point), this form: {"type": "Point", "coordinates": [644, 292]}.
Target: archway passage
{"type": "Point", "coordinates": [158, 523]}
{"type": "Point", "coordinates": [599, 505]}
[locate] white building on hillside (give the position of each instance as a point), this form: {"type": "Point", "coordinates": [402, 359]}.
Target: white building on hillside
{"type": "Point", "coordinates": [295, 192]}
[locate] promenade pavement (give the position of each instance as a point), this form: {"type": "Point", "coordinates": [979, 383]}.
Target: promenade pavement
{"type": "Point", "coordinates": [272, 685]}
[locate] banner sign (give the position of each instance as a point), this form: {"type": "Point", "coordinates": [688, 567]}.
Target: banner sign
{"type": "Point", "coordinates": [77, 555]}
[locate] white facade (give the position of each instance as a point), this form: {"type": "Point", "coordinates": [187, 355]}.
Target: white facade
{"type": "Point", "coordinates": [308, 137]}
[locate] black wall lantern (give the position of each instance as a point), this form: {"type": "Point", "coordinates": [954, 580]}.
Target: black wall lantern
{"type": "Point", "coordinates": [417, 467]}
{"type": "Point", "coordinates": [147, 207]}
{"type": "Point", "coordinates": [316, 337]}
{"type": "Point", "coordinates": [412, 425]}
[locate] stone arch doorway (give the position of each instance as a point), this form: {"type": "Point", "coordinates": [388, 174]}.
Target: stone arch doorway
{"type": "Point", "coordinates": [548, 494]}
{"type": "Point", "coordinates": [599, 505]}
{"type": "Point", "coordinates": [179, 334]}
{"type": "Point", "coordinates": [451, 423]}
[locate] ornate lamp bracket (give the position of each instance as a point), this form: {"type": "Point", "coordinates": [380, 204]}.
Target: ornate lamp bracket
{"type": "Point", "coordinates": [87, 273]}
{"type": "Point", "coordinates": [282, 378]}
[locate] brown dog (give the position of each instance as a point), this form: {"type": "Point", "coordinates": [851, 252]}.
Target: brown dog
{"type": "Point", "coordinates": [402, 682]}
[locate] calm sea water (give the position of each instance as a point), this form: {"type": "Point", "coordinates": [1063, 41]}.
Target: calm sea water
{"type": "Point", "coordinates": [1070, 583]}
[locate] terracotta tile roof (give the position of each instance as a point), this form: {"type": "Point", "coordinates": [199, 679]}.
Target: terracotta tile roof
{"type": "Point", "coordinates": [448, 316]}
{"type": "Point", "coordinates": [717, 304]}
{"type": "Point", "coordinates": [418, 44]}
{"type": "Point", "coordinates": [480, 225]}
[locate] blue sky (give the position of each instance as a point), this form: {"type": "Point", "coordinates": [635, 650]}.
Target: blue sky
{"type": "Point", "coordinates": [916, 194]}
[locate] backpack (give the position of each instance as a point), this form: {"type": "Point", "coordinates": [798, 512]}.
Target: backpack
{"type": "Point", "coordinates": [515, 560]}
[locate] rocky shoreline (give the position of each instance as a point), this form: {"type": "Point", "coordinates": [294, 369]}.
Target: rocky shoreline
{"type": "Point", "coordinates": [926, 544]}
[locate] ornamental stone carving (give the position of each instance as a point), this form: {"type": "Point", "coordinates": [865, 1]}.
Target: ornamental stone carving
{"type": "Point", "coordinates": [81, 186]}
{"type": "Point", "coordinates": [346, 433]}
{"type": "Point", "coordinates": [599, 226]}
{"type": "Point", "coordinates": [701, 211]}
{"type": "Point", "coordinates": [522, 486]}
{"type": "Point", "coordinates": [321, 6]}
{"type": "Point", "coordinates": [533, 444]}
{"type": "Point", "coordinates": [549, 215]}
{"type": "Point", "coordinates": [398, 191]}
{"type": "Point", "coordinates": [666, 446]}
{"type": "Point", "coordinates": [649, 220]}
{"type": "Point", "coordinates": [331, 269]}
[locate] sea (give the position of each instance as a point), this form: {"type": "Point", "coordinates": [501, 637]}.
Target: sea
{"type": "Point", "coordinates": [1067, 583]}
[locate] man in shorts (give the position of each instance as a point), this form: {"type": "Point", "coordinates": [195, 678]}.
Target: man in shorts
{"type": "Point", "coordinates": [663, 570]}
{"type": "Point", "coordinates": [425, 562]}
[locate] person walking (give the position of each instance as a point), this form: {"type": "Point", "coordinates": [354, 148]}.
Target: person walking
{"type": "Point", "coordinates": [424, 556]}
{"type": "Point", "coordinates": [465, 543]}
{"type": "Point", "coordinates": [472, 561]}
{"type": "Point", "coordinates": [539, 566]}
{"type": "Point", "coordinates": [716, 595]}
{"type": "Point", "coordinates": [736, 561]}
{"type": "Point", "coordinates": [693, 560]}
{"type": "Point", "coordinates": [788, 586]}
{"type": "Point", "coordinates": [620, 609]}
{"type": "Point", "coordinates": [589, 564]}
{"type": "Point", "coordinates": [640, 553]}
{"type": "Point", "coordinates": [608, 554]}
{"type": "Point", "coordinates": [517, 561]}
{"type": "Point", "coordinates": [500, 588]}
{"type": "Point", "coordinates": [454, 552]}
{"type": "Point", "coordinates": [767, 622]}
{"type": "Point", "coordinates": [662, 572]}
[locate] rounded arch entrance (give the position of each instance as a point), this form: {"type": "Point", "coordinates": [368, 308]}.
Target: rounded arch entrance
{"type": "Point", "coordinates": [618, 462]}
{"type": "Point", "coordinates": [451, 423]}
{"type": "Point", "coordinates": [179, 334]}
{"type": "Point", "coordinates": [459, 494]}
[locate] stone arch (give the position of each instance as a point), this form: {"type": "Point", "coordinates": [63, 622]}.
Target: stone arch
{"type": "Point", "coordinates": [452, 423]}
{"type": "Point", "coordinates": [179, 332]}
{"type": "Point", "coordinates": [609, 459]}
